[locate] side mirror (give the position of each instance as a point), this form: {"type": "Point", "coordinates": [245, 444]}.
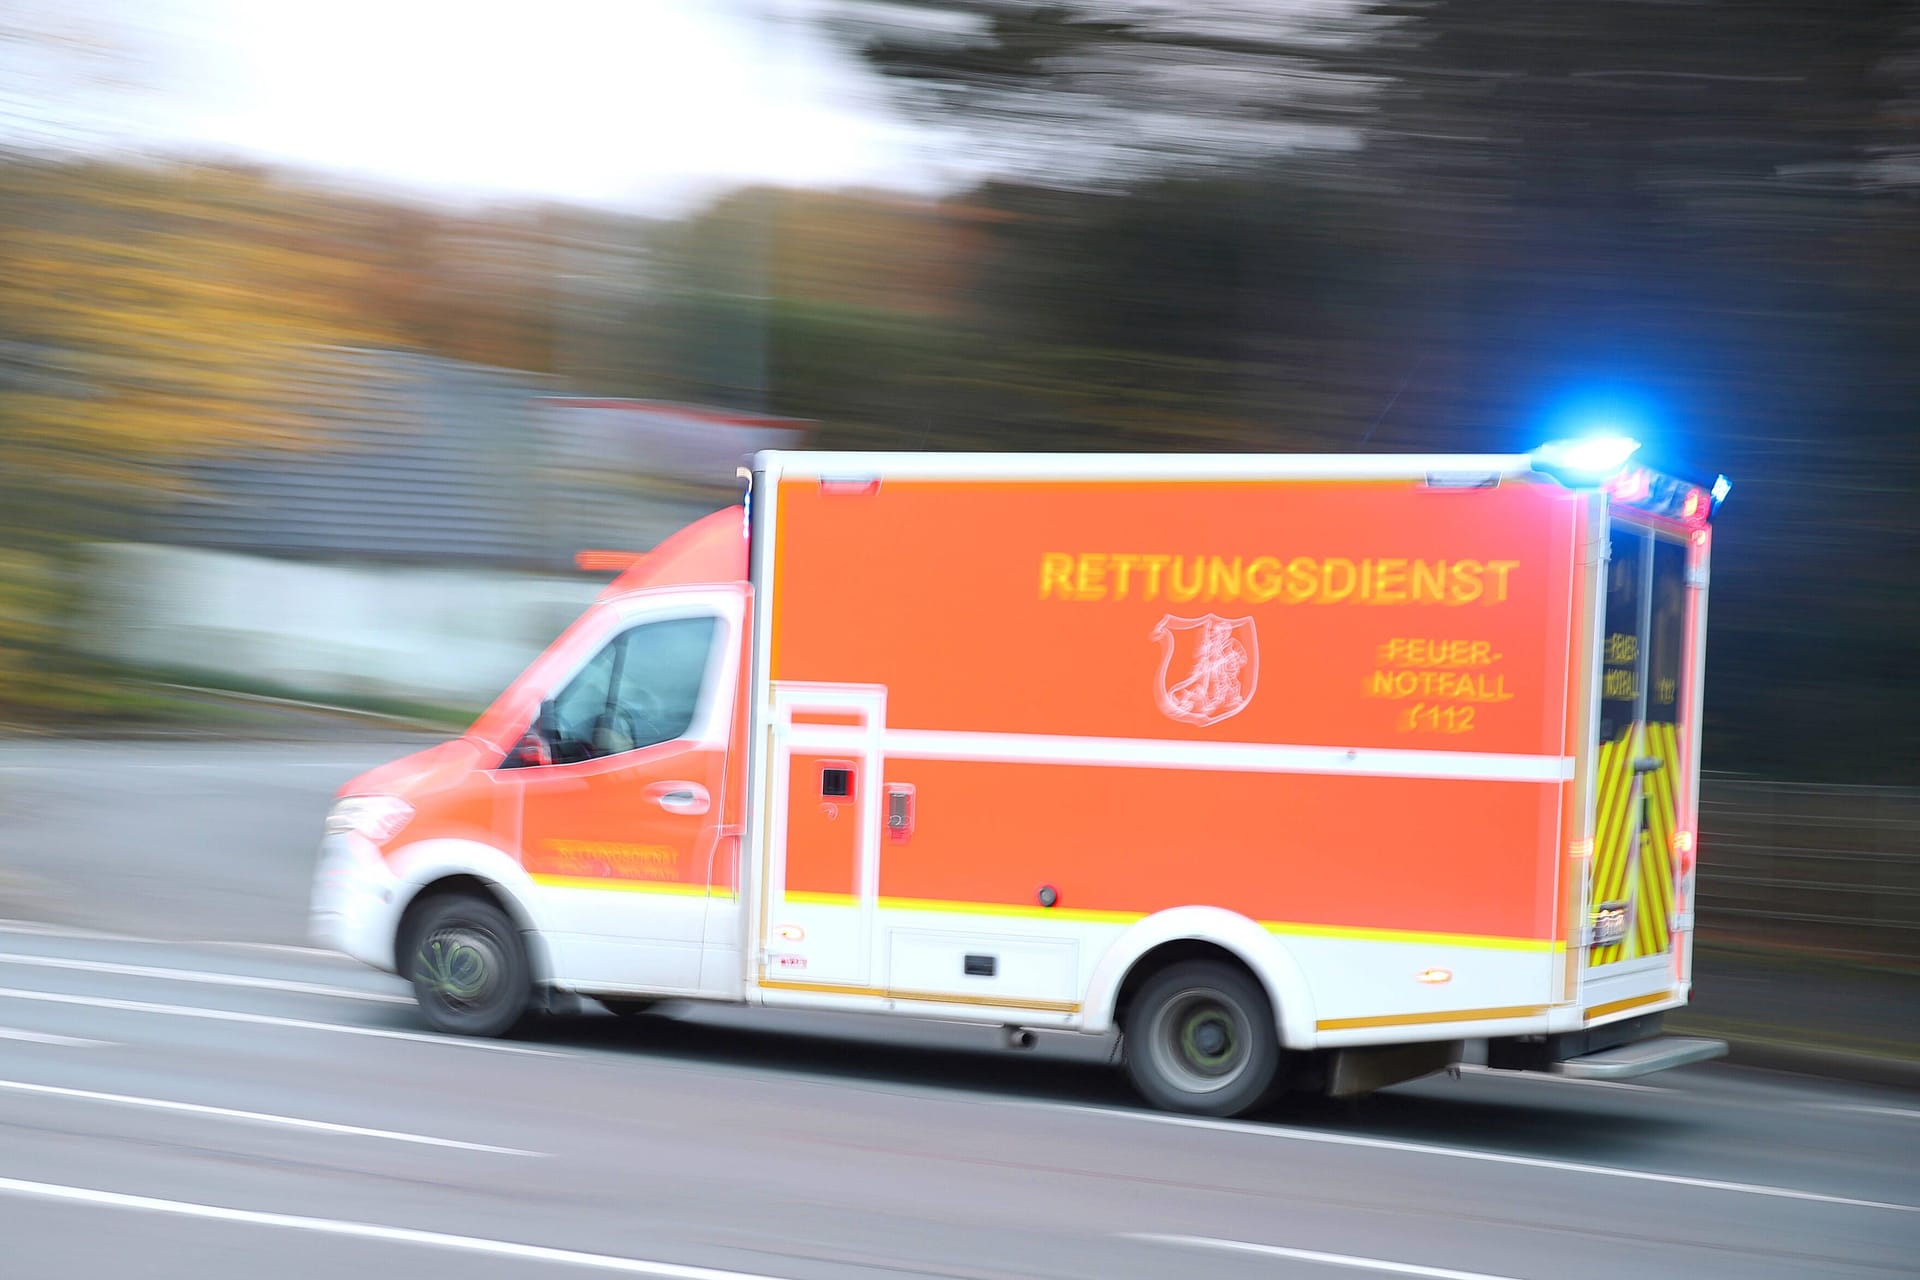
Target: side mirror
{"type": "Point", "coordinates": [531, 751]}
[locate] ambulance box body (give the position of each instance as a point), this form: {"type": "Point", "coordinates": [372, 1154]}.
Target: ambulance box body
{"type": "Point", "coordinates": [1300, 771]}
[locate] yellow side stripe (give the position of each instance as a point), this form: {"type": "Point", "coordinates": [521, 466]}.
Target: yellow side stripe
{"type": "Point", "coordinates": [1617, 1006]}
{"type": "Point", "coordinates": [1424, 1019]}
{"type": "Point", "coordinates": [672, 888]}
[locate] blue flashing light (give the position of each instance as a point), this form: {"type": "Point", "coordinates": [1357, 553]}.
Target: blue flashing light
{"type": "Point", "coordinates": [1721, 488]}
{"type": "Point", "coordinates": [1591, 458]}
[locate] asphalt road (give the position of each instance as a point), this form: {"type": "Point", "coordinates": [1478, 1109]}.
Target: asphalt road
{"type": "Point", "coordinates": [203, 1100]}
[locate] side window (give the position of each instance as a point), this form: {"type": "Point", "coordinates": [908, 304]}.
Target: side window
{"type": "Point", "coordinates": [578, 707]}
{"type": "Point", "coordinates": [657, 688]}
{"type": "Point", "coordinates": [642, 689]}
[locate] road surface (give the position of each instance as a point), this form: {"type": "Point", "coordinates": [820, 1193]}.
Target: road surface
{"type": "Point", "coordinates": [200, 1099]}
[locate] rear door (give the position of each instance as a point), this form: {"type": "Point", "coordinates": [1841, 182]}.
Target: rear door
{"type": "Point", "coordinates": [1646, 734]}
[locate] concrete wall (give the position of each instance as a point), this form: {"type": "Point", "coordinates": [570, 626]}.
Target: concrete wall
{"type": "Point", "coordinates": [450, 636]}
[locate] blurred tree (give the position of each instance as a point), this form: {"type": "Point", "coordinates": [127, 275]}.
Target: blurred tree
{"type": "Point", "coordinates": [1428, 224]}
{"type": "Point", "coordinates": [145, 314]}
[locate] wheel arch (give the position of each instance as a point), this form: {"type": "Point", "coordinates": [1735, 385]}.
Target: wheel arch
{"type": "Point", "coordinates": [436, 868]}
{"type": "Point", "coordinates": [1212, 933]}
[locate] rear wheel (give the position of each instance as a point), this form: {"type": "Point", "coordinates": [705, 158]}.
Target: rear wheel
{"type": "Point", "coordinates": [1200, 1038]}
{"type": "Point", "coordinates": [469, 968]}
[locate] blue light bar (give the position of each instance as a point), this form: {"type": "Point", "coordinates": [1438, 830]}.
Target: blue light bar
{"type": "Point", "coordinates": [1721, 488]}
{"type": "Point", "coordinates": [1590, 460]}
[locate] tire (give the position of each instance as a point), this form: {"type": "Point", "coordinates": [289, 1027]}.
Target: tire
{"type": "Point", "coordinates": [468, 966]}
{"type": "Point", "coordinates": [1200, 1039]}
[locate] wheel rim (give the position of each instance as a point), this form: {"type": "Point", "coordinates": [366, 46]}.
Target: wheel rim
{"type": "Point", "coordinates": [1200, 1041]}
{"type": "Point", "coordinates": [463, 968]}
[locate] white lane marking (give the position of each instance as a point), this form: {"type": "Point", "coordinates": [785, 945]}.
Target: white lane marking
{"type": "Point", "coordinates": [65, 931]}
{"type": "Point", "coordinates": [1904, 1113]}
{"type": "Point", "coordinates": [372, 1231]}
{"type": "Point", "coordinates": [1493, 1157]}
{"type": "Point", "coordinates": [47, 1037]}
{"type": "Point", "coordinates": [1312, 1255]}
{"type": "Point", "coordinates": [267, 1020]}
{"type": "Point", "coordinates": [36, 928]}
{"type": "Point", "coordinates": [256, 1117]}
{"type": "Point", "coordinates": [204, 977]}
{"type": "Point", "coordinates": [286, 947]}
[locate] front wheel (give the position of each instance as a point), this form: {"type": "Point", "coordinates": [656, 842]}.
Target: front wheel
{"type": "Point", "coordinates": [469, 968]}
{"type": "Point", "coordinates": [1200, 1039]}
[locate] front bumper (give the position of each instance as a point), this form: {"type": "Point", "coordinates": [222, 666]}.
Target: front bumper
{"type": "Point", "coordinates": [356, 902]}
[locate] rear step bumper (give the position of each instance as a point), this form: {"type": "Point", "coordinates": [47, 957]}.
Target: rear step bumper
{"type": "Point", "coordinates": [1643, 1057]}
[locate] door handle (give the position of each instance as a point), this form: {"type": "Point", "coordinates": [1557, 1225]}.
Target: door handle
{"type": "Point", "coordinates": [1648, 764]}
{"type": "Point", "coordinates": [680, 797]}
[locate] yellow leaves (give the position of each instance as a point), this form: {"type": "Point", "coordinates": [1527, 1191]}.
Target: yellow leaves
{"type": "Point", "coordinates": [182, 302]}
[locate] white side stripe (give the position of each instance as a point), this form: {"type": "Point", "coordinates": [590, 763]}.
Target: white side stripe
{"type": "Point", "coordinates": [255, 1117]}
{"type": "Point", "coordinates": [1161, 753]}
{"type": "Point", "coordinates": [1326, 1259]}
{"type": "Point", "coordinates": [1239, 467]}
{"type": "Point", "coordinates": [371, 1231]}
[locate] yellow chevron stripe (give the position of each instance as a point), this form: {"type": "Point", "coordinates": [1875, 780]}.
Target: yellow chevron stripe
{"type": "Point", "coordinates": [1659, 883]}
{"type": "Point", "coordinates": [1656, 880]}
{"type": "Point", "coordinates": [1611, 831]}
{"type": "Point", "coordinates": [1663, 860]}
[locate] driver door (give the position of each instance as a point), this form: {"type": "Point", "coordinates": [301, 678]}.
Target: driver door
{"type": "Point", "coordinates": [619, 832]}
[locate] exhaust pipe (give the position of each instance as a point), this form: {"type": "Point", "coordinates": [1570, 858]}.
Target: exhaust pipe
{"type": "Point", "coordinates": [1018, 1037]}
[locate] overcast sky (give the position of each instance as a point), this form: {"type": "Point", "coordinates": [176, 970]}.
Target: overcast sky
{"type": "Point", "coordinates": [640, 104]}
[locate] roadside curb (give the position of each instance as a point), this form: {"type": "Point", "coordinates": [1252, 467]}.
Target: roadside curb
{"type": "Point", "coordinates": [1833, 1064]}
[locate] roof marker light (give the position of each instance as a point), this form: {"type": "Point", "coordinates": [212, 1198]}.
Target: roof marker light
{"type": "Point", "coordinates": [1631, 486]}
{"type": "Point", "coordinates": [1588, 459]}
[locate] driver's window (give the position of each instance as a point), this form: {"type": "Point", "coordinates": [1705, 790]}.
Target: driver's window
{"type": "Point", "coordinates": [578, 707]}
{"type": "Point", "coordinates": [642, 689]}
{"type": "Point", "coordinates": [659, 679]}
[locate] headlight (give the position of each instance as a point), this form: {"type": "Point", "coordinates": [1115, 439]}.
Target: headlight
{"type": "Point", "coordinates": [378, 818]}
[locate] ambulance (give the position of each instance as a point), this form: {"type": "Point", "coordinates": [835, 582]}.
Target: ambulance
{"type": "Point", "coordinates": [1294, 772]}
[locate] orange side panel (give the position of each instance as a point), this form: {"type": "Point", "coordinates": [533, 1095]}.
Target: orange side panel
{"type": "Point", "coordinates": [822, 832]}
{"type": "Point", "coordinates": [1371, 614]}
{"type": "Point", "coordinates": [1410, 854]}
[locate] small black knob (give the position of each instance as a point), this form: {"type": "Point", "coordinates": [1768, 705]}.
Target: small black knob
{"type": "Point", "coordinates": [1048, 895]}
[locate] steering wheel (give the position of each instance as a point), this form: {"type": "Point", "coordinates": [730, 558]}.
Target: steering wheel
{"type": "Point", "coordinates": [645, 710]}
